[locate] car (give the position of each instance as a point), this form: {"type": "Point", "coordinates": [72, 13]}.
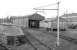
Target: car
{"type": "Point", "coordinates": [61, 29]}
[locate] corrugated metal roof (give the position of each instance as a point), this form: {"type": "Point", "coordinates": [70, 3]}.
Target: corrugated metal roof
{"type": "Point", "coordinates": [69, 15]}
{"type": "Point", "coordinates": [73, 19]}
{"type": "Point", "coordinates": [34, 16]}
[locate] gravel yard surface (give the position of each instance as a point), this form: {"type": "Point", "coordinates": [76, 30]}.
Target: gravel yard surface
{"type": "Point", "coordinates": [51, 40]}
{"type": "Point", "coordinates": [71, 33]}
{"type": "Point", "coordinates": [42, 37]}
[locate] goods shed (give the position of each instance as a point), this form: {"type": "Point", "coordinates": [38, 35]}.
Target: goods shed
{"type": "Point", "coordinates": [34, 20]}
{"type": "Point", "coordinates": [30, 21]}
{"type": "Point", "coordinates": [52, 23]}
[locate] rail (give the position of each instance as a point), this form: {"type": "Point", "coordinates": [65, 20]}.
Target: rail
{"type": "Point", "coordinates": [30, 37]}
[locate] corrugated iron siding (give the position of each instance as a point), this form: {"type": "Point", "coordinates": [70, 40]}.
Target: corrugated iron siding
{"type": "Point", "coordinates": [21, 22]}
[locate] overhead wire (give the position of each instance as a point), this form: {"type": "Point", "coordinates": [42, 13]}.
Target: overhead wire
{"type": "Point", "coordinates": [47, 5]}
{"type": "Point", "coordinates": [43, 11]}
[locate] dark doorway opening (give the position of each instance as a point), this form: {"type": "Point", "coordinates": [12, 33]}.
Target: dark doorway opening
{"type": "Point", "coordinates": [33, 23]}
{"type": "Point", "coordinates": [10, 40]}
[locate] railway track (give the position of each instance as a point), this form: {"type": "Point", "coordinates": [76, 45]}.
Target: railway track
{"type": "Point", "coordinates": [32, 39]}
{"type": "Point", "coordinates": [70, 39]}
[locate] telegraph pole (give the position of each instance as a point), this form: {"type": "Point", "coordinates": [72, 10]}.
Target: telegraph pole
{"type": "Point", "coordinates": [58, 42]}
{"type": "Point", "coordinates": [67, 17]}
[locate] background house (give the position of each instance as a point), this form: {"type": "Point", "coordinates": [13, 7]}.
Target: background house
{"type": "Point", "coordinates": [52, 23]}
{"type": "Point", "coordinates": [71, 18]}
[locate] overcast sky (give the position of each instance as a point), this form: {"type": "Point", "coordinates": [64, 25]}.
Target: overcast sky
{"type": "Point", "coordinates": [25, 7]}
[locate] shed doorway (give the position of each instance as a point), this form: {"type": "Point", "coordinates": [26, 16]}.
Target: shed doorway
{"type": "Point", "coordinates": [34, 23]}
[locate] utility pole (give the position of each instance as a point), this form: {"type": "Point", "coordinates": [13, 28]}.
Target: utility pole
{"type": "Point", "coordinates": [66, 14]}
{"type": "Point", "coordinates": [58, 43]}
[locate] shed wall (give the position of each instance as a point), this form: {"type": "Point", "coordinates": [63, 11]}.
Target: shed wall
{"type": "Point", "coordinates": [21, 22]}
